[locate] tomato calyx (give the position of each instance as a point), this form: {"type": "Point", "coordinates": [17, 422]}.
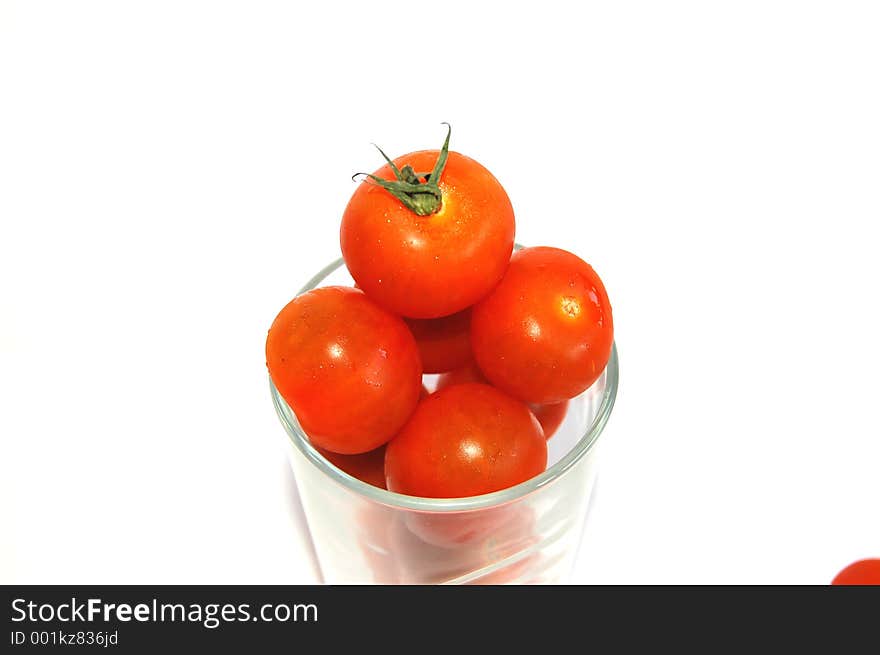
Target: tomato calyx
{"type": "Point", "coordinates": [419, 192]}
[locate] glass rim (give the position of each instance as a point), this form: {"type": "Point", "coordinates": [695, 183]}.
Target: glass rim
{"type": "Point", "coordinates": [392, 499]}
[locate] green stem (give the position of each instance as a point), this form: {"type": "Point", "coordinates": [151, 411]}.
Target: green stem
{"type": "Point", "coordinates": [423, 198]}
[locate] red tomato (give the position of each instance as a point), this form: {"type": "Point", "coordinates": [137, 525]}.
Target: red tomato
{"type": "Point", "coordinates": [465, 440]}
{"type": "Point", "coordinates": [550, 416]}
{"type": "Point", "coordinates": [463, 375]}
{"type": "Point", "coordinates": [496, 534]}
{"type": "Point", "coordinates": [349, 370]}
{"type": "Point", "coordinates": [863, 572]}
{"type": "Point", "coordinates": [427, 236]}
{"type": "Point", "coordinates": [366, 467]}
{"type": "Point", "coordinates": [455, 529]}
{"type": "Point", "coordinates": [545, 332]}
{"type": "Point", "coordinates": [444, 343]}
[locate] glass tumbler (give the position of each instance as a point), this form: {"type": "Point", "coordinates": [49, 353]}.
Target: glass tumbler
{"type": "Point", "coordinates": [526, 534]}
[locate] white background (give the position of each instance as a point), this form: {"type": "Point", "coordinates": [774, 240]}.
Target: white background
{"type": "Point", "coordinates": [172, 172]}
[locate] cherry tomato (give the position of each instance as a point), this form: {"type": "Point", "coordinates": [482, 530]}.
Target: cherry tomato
{"type": "Point", "coordinates": [467, 373]}
{"type": "Point", "coordinates": [349, 370]}
{"type": "Point", "coordinates": [550, 416]}
{"type": "Point", "coordinates": [366, 467]}
{"type": "Point", "coordinates": [444, 343]}
{"type": "Point", "coordinates": [465, 440]}
{"type": "Point", "coordinates": [494, 536]}
{"type": "Point", "coordinates": [428, 234]}
{"type": "Point", "coordinates": [455, 529]}
{"type": "Point", "coordinates": [863, 572]}
{"type": "Point", "coordinates": [545, 333]}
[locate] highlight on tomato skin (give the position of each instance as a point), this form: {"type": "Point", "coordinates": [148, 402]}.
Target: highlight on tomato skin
{"type": "Point", "coordinates": [348, 369]}
{"type": "Point", "coordinates": [862, 572]}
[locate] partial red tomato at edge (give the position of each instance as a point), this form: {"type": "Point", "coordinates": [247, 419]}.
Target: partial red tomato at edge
{"type": "Point", "coordinates": [465, 440]}
{"type": "Point", "coordinates": [863, 572]}
{"type": "Point", "coordinates": [349, 370]}
{"type": "Point", "coordinates": [545, 333]}
{"type": "Point", "coordinates": [428, 234]}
